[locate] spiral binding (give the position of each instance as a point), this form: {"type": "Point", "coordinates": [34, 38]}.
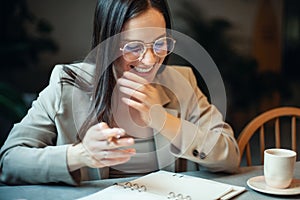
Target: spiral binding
{"type": "Point", "coordinates": [172, 195]}
{"type": "Point", "coordinates": [135, 186]}
{"type": "Point", "coordinates": [178, 175]}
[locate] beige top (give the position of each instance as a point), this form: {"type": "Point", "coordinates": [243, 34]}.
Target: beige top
{"type": "Point", "coordinates": [35, 151]}
{"type": "Point", "coordinates": [143, 162]}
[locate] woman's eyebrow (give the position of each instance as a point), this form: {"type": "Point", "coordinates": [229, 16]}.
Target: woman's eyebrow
{"type": "Point", "coordinates": [128, 40]}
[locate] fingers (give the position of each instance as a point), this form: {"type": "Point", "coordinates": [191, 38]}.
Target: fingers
{"type": "Point", "coordinates": [134, 93]}
{"type": "Point", "coordinates": [135, 82]}
{"type": "Point", "coordinates": [138, 89]}
{"type": "Point", "coordinates": [116, 143]}
{"type": "Point", "coordinates": [111, 157]}
{"type": "Point", "coordinates": [102, 132]}
{"type": "Point", "coordinates": [101, 146]}
{"type": "Point", "coordinates": [101, 137]}
{"type": "Point", "coordinates": [102, 125]}
{"type": "Point", "coordinates": [135, 78]}
{"type": "Point", "coordinates": [134, 104]}
{"type": "Point", "coordinates": [116, 154]}
{"type": "Point", "coordinates": [135, 86]}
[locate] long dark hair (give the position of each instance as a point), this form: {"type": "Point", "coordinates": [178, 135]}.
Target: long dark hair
{"type": "Point", "coordinates": [109, 19]}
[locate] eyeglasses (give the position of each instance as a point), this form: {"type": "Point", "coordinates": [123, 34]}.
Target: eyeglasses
{"type": "Point", "coordinates": [135, 50]}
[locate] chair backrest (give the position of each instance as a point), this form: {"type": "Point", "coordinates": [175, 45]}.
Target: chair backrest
{"type": "Point", "coordinates": [258, 124]}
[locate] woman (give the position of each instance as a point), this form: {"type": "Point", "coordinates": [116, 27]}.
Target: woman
{"type": "Point", "coordinates": [128, 117]}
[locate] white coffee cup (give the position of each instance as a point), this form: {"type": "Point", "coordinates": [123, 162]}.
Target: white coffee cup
{"type": "Point", "coordinates": [279, 165]}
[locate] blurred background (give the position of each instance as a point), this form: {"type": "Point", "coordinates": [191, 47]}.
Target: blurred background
{"type": "Point", "coordinates": [254, 43]}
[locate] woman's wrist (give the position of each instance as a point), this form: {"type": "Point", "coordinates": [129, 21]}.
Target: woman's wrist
{"type": "Point", "coordinates": [163, 122]}
{"type": "Point", "coordinates": [74, 153]}
{"type": "Point", "coordinates": [158, 117]}
{"type": "Point", "coordinates": [171, 127]}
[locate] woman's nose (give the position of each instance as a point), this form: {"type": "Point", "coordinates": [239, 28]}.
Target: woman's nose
{"type": "Point", "coordinates": [149, 57]}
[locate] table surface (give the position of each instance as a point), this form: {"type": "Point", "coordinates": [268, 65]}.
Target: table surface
{"type": "Point", "coordinates": [53, 192]}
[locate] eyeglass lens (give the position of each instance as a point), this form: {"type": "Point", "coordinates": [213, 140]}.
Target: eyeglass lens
{"type": "Point", "coordinates": [162, 47]}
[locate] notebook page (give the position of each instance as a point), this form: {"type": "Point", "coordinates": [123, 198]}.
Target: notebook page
{"type": "Point", "coordinates": [236, 190]}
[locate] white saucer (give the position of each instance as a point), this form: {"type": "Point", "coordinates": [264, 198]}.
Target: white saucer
{"type": "Point", "coordinates": [258, 183]}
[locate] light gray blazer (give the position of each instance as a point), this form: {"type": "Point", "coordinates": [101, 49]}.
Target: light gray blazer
{"type": "Point", "coordinates": [35, 150]}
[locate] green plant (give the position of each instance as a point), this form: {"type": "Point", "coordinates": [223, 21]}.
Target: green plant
{"type": "Point", "coordinates": [23, 37]}
{"type": "Point", "coordinates": [12, 105]}
{"type": "Point", "coordinates": [237, 70]}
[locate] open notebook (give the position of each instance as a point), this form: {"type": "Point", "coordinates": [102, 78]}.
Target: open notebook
{"type": "Point", "coordinates": [167, 185]}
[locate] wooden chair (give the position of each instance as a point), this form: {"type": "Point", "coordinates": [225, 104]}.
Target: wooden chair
{"type": "Point", "coordinates": [258, 124]}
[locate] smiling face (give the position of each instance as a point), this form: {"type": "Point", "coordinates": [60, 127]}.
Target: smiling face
{"type": "Point", "coordinates": [137, 29]}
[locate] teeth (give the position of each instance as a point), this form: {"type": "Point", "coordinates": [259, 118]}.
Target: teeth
{"type": "Point", "coordinates": [143, 70]}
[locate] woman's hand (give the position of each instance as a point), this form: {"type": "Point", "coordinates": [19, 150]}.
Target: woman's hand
{"type": "Point", "coordinates": [144, 98]}
{"type": "Point", "coordinates": [97, 151]}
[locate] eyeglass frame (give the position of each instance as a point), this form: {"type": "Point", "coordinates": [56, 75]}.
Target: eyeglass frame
{"type": "Point", "coordinates": [147, 46]}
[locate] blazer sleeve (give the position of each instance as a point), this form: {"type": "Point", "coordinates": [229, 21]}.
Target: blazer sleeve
{"type": "Point", "coordinates": [204, 137]}
{"type": "Point", "coordinates": [30, 154]}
